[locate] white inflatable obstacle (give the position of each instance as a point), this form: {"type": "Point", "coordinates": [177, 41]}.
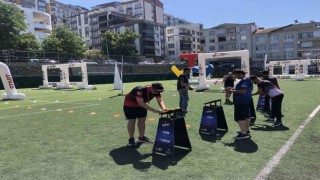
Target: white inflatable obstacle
{"type": "Point", "coordinates": [64, 82]}
{"type": "Point", "coordinates": [290, 69]}
{"type": "Point", "coordinates": [204, 82]}
{"type": "Point", "coordinates": [7, 81]}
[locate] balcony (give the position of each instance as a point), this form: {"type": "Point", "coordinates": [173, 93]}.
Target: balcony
{"type": "Point", "coordinates": [42, 26]}
{"type": "Point", "coordinates": [185, 42]}
{"type": "Point", "coordinates": [185, 34]}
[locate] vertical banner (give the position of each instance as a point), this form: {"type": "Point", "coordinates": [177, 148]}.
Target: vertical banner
{"type": "Point", "coordinates": [164, 143]}
{"type": "Point", "coordinates": [260, 104]}
{"type": "Point", "coordinates": [208, 123]}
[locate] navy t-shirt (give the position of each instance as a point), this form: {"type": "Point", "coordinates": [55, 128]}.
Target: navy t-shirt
{"type": "Point", "coordinates": [243, 99]}
{"type": "Point", "coordinates": [183, 78]}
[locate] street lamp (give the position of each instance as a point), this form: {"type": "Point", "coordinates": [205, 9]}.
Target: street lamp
{"type": "Point", "coordinates": [107, 47]}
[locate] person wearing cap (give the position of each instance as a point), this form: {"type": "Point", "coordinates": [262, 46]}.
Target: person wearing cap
{"type": "Point", "coordinates": [242, 101]}
{"type": "Point", "coordinates": [135, 107]}
{"type": "Point", "coordinates": [268, 88]}
{"type": "Point", "coordinates": [228, 83]}
{"type": "Point", "coordinates": [183, 87]}
{"type": "Point", "coordinates": [274, 81]}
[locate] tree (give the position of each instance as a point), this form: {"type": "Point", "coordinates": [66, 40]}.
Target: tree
{"type": "Point", "coordinates": [119, 44]}
{"type": "Point", "coordinates": [11, 24]}
{"type": "Point", "coordinates": [63, 40]}
{"type": "Point", "coordinates": [94, 54]}
{"type": "Point", "coordinates": [28, 42]}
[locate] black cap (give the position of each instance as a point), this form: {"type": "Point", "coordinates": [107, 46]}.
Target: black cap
{"type": "Point", "coordinates": [157, 87]}
{"type": "Point", "coordinates": [253, 77]}
{"type": "Point", "coordinates": [239, 71]}
{"type": "Point", "coordinates": [186, 69]}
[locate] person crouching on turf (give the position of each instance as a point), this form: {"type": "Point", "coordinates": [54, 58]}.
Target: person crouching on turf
{"type": "Point", "coordinates": [276, 97]}
{"type": "Point", "coordinates": [135, 107]}
{"type": "Point", "coordinates": [228, 83]}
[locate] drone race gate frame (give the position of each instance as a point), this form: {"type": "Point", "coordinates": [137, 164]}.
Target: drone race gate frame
{"type": "Point", "coordinates": [11, 91]}
{"type": "Point", "coordinates": [300, 68]}
{"type": "Point", "coordinates": [64, 82]}
{"type": "Point", "coordinates": [204, 83]}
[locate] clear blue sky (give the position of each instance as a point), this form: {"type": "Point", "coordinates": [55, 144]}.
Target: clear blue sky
{"type": "Point", "coordinates": [265, 13]}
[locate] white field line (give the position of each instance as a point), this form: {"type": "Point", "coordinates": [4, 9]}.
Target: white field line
{"type": "Point", "coordinates": [76, 107]}
{"type": "Point", "coordinates": [277, 157]}
{"type": "Point", "coordinates": [46, 103]}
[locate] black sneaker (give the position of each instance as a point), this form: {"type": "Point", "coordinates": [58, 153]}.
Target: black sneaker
{"type": "Point", "coordinates": [241, 136]}
{"type": "Point", "coordinates": [131, 143]}
{"type": "Point", "coordinates": [144, 140]}
{"type": "Point", "coordinates": [277, 124]}
{"type": "Point", "coordinates": [269, 120]}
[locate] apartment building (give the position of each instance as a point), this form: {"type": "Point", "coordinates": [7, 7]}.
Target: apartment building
{"type": "Point", "coordinates": [38, 17]}
{"type": "Point", "coordinates": [182, 39]}
{"type": "Point", "coordinates": [228, 37]}
{"type": "Point", "coordinates": [144, 17]}
{"type": "Point", "coordinates": [294, 41]}
{"type": "Point", "coordinates": [170, 20]}
{"type": "Point", "coordinates": [59, 12]}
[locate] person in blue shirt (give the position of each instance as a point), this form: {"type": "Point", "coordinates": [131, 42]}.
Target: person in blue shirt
{"type": "Point", "coordinates": [242, 101]}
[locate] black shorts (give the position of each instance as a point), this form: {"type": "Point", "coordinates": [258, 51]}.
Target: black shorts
{"type": "Point", "coordinates": [241, 112]}
{"type": "Point", "coordinates": [134, 112]}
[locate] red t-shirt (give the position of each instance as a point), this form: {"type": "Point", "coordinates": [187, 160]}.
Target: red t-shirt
{"type": "Point", "coordinates": [139, 92]}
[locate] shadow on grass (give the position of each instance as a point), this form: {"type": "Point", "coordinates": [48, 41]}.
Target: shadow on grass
{"type": "Point", "coordinates": [263, 127]}
{"type": "Point", "coordinates": [125, 155]}
{"type": "Point", "coordinates": [163, 162]}
{"type": "Point", "coordinates": [214, 137]}
{"type": "Point", "coordinates": [243, 145]}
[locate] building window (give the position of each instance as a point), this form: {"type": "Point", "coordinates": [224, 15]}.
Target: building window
{"type": "Point", "coordinates": [222, 39]}
{"type": "Point", "coordinates": [212, 40]}
{"type": "Point", "coordinates": [138, 12]}
{"type": "Point", "coordinates": [232, 38]}
{"type": "Point", "coordinates": [306, 44]}
{"type": "Point", "coordinates": [171, 45]}
{"type": "Point", "coordinates": [274, 55]}
{"type": "Point", "coordinates": [261, 48]}
{"type": "Point", "coordinates": [305, 35]}
{"type": "Point", "coordinates": [193, 33]}
{"type": "Point", "coordinates": [243, 29]}
{"type": "Point", "coordinates": [138, 5]}
{"type": "Point", "coordinates": [260, 56]}
{"type": "Point", "coordinates": [221, 47]}
{"type": "Point", "coordinates": [288, 45]}
{"type": "Point", "coordinates": [211, 33]}
{"type": "Point", "coordinates": [170, 38]}
{"type": "Point", "coordinates": [170, 31]}
{"type": "Point", "coordinates": [231, 30]}
{"type": "Point", "coordinates": [274, 38]}
{"type": "Point", "coordinates": [212, 48]}
{"type": "Point", "coordinates": [288, 55]}
{"type": "Point", "coordinates": [221, 31]}
{"type": "Point", "coordinates": [274, 46]}
{"type": "Point", "coordinates": [289, 37]}
{"type": "Point", "coordinates": [171, 53]}
{"type": "Point", "coordinates": [243, 38]}
{"type": "Point", "coordinates": [261, 39]}
{"type": "Point", "coordinates": [243, 46]}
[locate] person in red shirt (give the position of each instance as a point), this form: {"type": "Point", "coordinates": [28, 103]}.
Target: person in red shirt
{"type": "Point", "coordinates": [135, 107]}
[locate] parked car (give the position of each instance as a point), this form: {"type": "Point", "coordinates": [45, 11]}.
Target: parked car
{"type": "Point", "coordinates": [82, 61]}
{"type": "Point", "coordinates": [111, 61]}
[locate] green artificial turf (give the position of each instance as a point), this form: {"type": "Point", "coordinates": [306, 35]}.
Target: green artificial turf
{"type": "Point", "coordinates": [81, 134]}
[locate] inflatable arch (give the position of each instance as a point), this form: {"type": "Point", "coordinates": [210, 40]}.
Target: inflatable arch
{"type": "Point", "coordinates": [8, 84]}
{"type": "Point", "coordinates": [204, 83]}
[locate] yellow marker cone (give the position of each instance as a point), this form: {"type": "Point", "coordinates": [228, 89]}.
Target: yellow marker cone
{"type": "Point", "coordinates": [29, 107]}
{"type": "Point", "coordinates": [116, 115]}
{"type": "Point", "coordinates": [93, 113]}
{"type": "Point", "coordinates": [59, 109]}
{"type": "Point", "coordinates": [188, 125]}
{"type": "Point", "coordinates": [70, 111]}
{"type": "Point", "coordinates": [43, 109]}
